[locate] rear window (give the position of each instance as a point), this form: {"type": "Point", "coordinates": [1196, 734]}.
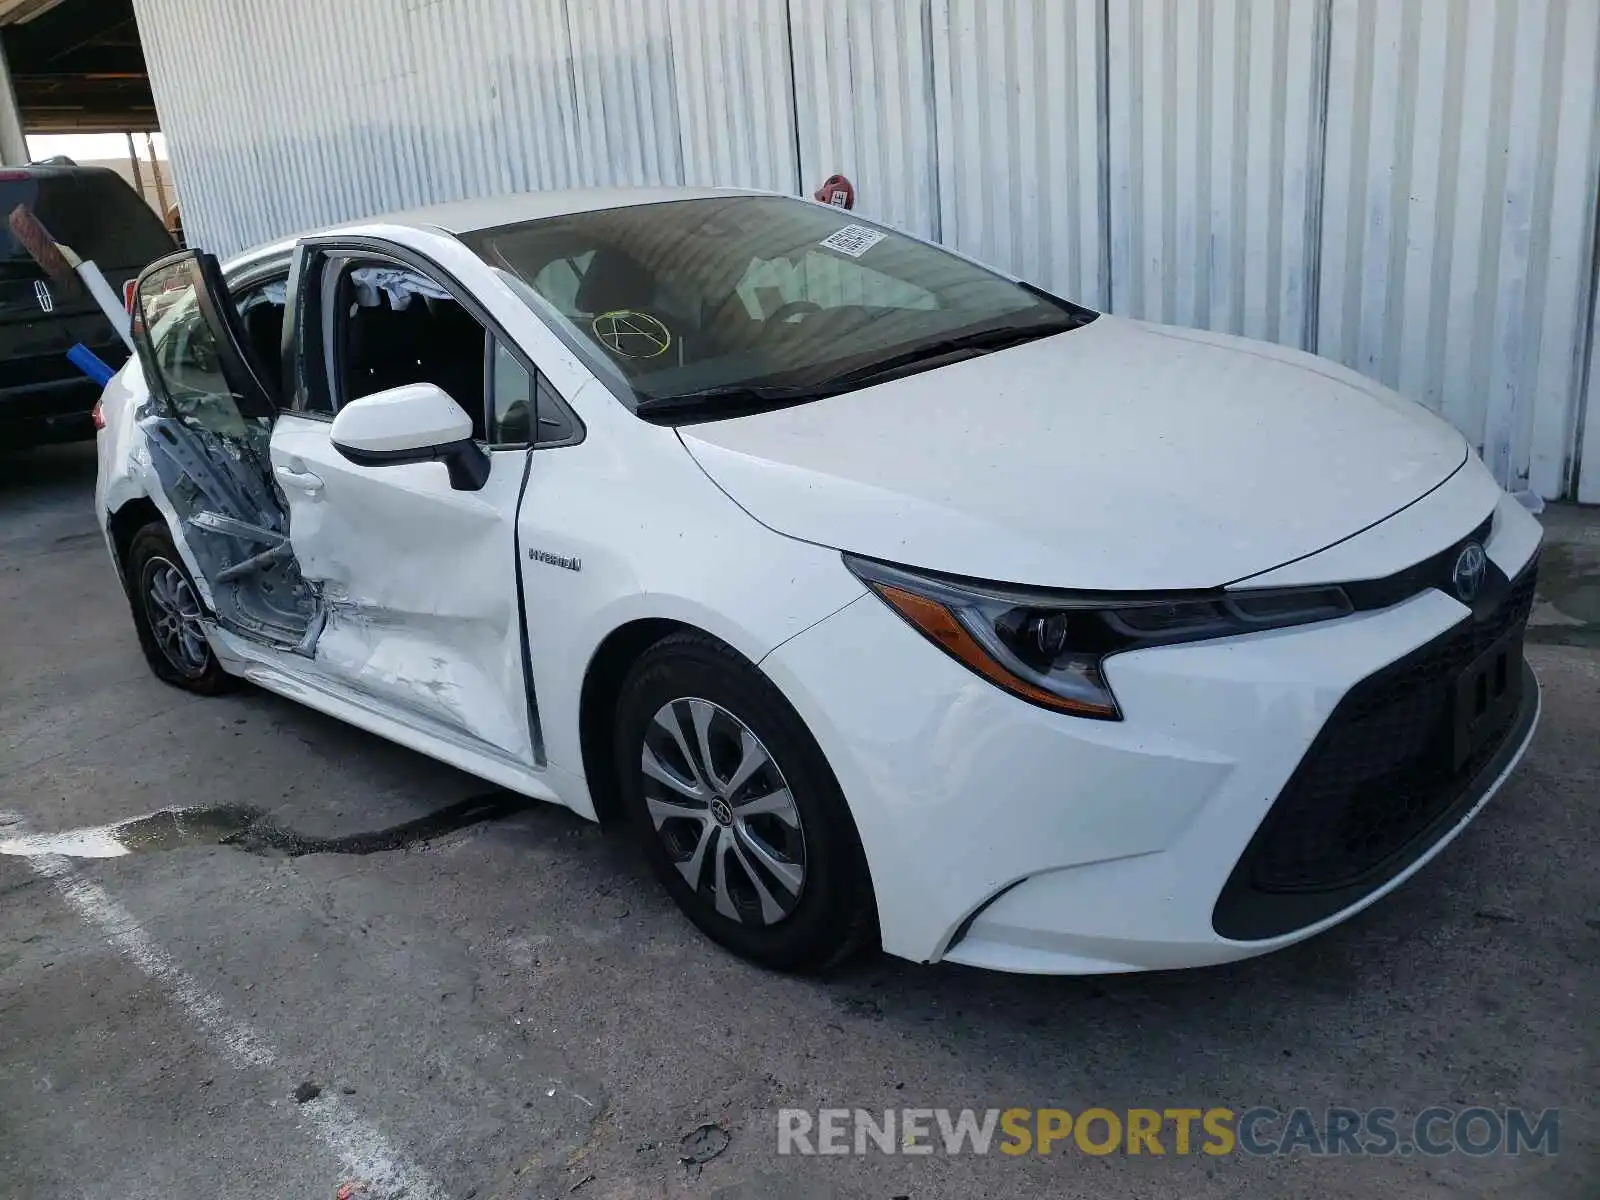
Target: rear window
{"type": "Point", "coordinates": [94, 212]}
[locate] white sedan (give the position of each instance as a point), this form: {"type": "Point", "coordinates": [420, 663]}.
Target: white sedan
{"type": "Point", "coordinates": [884, 595]}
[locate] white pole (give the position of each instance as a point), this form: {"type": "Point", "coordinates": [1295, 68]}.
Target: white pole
{"type": "Point", "coordinates": [110, 303]}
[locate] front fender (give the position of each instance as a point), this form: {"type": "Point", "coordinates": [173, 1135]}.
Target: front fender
{"type": "Point", "coordinates": [608, 538]}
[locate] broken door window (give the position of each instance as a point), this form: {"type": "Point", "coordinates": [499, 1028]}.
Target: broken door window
{"type": "Point", "coordinates": [209, 435]}
{"type": "Point", "coordinates": [401, 327]}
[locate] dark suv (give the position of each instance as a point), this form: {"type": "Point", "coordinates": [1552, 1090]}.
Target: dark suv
{"type": "Point", "coordinates": [43, 397]}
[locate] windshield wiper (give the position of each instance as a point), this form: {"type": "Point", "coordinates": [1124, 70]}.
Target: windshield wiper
{"type": "Point", "coordinates": [723, 400]}
{"type": "Point", "coordinates": [982, 342]}
{"type": "Point", "coordinates": [739, 399]}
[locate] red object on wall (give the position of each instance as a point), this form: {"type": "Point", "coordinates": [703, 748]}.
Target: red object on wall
{"type": "Point", "coordinates": [837, 191]}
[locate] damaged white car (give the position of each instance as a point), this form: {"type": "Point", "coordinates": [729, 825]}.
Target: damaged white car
{"type": "Point", "coordinates": [884, 594]}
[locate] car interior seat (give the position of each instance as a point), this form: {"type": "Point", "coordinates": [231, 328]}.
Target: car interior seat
{"type": "Point", "coordinates": [263, 329]}
{"type": "Point", "coordinates": [614, 281]}
{"type": "Point", "coordinates": [432, 341]}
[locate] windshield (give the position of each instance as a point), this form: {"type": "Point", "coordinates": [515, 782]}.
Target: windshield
{"type": "Point", "coordinates": [739, 299]}
{"type": "Point", "coordinates": [92, 211]}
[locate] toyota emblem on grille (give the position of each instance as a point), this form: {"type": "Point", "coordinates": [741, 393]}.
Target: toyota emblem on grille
{"type": "Point", "coordinates": [1467, 575]}
{"type": "Point", "coordinates": [41, 292]}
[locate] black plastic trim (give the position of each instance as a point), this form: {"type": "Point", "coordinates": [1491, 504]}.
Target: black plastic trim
{"type": "Point", "coordinates": [466, 461]}
{"type": "Point", "coordinates": [1244, 914]}
{"type": "Point", "coordinates": [535, 730]}
{"type": "Point", "coordinates": [1432, 572]}
{"type": "Point", "coordinates": [960, 935]}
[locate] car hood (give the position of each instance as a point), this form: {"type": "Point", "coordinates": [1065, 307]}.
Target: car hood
{"type": "Point", "coordinates": [1122, 455]}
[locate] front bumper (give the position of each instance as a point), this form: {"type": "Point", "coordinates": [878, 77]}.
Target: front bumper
{"type": "Point", "coordinates": [1002, 835]}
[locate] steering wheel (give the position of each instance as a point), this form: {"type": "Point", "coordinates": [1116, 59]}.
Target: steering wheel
{"type": "Point", "coordinates": [793, 308]}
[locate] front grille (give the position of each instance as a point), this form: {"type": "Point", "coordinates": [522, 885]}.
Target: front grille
{"type": "Point", "coordinates": [1385, 771]}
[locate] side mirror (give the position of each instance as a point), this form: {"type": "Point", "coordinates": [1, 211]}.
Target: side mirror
{"type": "Point", "coordinates": [414, 423]}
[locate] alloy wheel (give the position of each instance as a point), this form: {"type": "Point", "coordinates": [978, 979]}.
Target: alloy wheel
{"type": "Point", "coordinates": [175, 618]}
{"type": "Point", "coordinates": [723, 810]}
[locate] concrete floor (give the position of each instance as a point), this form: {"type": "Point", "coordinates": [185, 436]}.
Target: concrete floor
{"type": "Point", "coordinates": [510, 1008]}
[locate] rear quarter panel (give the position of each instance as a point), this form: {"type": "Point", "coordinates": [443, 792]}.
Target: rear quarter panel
{"type": "Point", "coordinates": [119, 446]}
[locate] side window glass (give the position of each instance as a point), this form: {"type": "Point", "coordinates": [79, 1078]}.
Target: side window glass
{"type": "Point", "coordinates": [187, 357]}
{"type": "Point", "coordinates": [260, 307]}
{"type": "Point", "coordinates": [526, 408]}
{"type": "Point", "coordinates": [557, 427]}
{"type": "Point", "coordinates": [315, 315]}
{"type": "Point", "coordinates": [512, 419]}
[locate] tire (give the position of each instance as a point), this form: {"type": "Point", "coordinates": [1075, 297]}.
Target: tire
{"type": "Point", "coordinates": [744, 902]}
{"type": "Point", "coordinates": [159, 589]}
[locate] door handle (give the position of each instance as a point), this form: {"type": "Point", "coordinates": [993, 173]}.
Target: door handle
{"type": "Point", "coordinates": [303, 481]}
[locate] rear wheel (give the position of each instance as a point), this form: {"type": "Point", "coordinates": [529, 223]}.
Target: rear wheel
{"type": "Point", "coordinates": [740, 815]}
{"type": "Point", "coordinates": [168, 616]}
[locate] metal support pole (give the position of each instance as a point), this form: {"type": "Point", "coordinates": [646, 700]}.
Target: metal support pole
{"type": "Point", "coordinates": [155, 169]}
{"type": "Point", "coordinates": [138, 175]}
{"type": "Point", "coordinates": [13, 146]}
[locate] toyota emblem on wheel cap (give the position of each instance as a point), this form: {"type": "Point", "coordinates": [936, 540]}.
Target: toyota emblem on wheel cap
{"type": "Point", "coordinates": [1467, 575]}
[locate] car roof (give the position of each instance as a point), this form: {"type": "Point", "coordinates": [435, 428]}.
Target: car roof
{"type": "Point", "coordinates": [467, 216]}
{"type": "Point", "coordinates": [54, 170]}
{"type": "Point", "coordinates": [488, 212]}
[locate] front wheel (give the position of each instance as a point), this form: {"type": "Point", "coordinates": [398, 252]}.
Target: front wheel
{"type": "Point", "coordinates": [740, 815]}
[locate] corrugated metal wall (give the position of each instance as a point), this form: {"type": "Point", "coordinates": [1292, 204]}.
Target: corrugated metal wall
{"type": "Point", "coordinates": [1019, 181]}
{"type": "Point", "coordinates": [735, 93]}
{"type": "Point", "coordinates": [864, 82]}
{"type": "Point", "coordinates": [1214, 162]}
{"type": "Point", "coordinates": [1407, 186]}
{"type": "Point", "coordinates": [1457, 234]}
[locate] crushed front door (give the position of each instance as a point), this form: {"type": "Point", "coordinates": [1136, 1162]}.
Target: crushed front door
{"type": "Point", "coordinates": [418, 580]}
{"type": "Point", "coordinates": [419, 583]}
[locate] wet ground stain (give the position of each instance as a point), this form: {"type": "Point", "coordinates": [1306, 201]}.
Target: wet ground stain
{"type": "Point", "coordinates": [255, 832]}
{"type": "Point", "coordinates": [1567, 608]}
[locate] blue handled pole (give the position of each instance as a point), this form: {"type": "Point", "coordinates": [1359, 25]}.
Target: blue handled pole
{"type": "Point", "coordinates": [90, 363]}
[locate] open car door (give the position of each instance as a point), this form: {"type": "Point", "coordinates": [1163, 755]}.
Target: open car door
{"type": "Point", "coordinates": [407, 537]}
{"type": "Point", "coordinates": [396, 574]}
{"type": "Point", "coordinates": [208, 430]}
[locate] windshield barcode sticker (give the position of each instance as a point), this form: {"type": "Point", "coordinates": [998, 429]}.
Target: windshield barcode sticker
{"type": "Point", "coordinates": [854, 240]}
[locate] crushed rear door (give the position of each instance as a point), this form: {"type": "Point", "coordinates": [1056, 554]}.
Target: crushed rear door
{"type": "Point", "coordinates": [207, 431]}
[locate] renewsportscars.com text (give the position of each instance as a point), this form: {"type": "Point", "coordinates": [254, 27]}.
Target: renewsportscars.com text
{"type": "Point", "coordinates": [1213, 1131]}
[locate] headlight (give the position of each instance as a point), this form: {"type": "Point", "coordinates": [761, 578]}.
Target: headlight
{"type": "Point", "coordinates": [1049, 647]}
